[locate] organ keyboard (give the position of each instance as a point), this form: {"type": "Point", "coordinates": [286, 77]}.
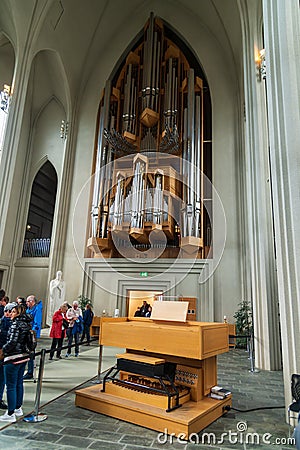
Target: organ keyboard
{"type": "Point", "coordinates": [163, 379]}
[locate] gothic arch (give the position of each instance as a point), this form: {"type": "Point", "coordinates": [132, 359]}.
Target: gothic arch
{"type": "Point", "coordinates": [41, 212]}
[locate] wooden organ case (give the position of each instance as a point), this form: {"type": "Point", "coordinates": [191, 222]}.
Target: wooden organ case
{"type": "Point", "coordinates": [163, 379]}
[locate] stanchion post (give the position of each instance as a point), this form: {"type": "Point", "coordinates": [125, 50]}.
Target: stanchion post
{"type": "Point", "coordinates": [98, 381]}
{"type": "Point", "coordinates": [36, 416]}
{"type": "Point", "coordinates": [251, 356]}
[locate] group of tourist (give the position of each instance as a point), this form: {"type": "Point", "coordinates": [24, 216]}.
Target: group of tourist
{"type": "Point", "coordinates": [16, 320]}
{"type": "Point", "coordinates": [69, 321]}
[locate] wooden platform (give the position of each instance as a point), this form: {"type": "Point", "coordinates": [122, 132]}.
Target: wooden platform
{"type": "Point", "coordinates": [191, 417]}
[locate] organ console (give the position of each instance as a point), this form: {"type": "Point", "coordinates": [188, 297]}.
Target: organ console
{"type": "Point", "coordinates": [163, 379]}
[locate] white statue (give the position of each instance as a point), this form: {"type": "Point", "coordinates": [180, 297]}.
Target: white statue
{"type": "Point", "coordinates": [56, 295]}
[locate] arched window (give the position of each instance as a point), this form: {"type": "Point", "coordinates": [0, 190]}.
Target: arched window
{"type": "Point", "coordinates": [41, 211]}
{"type": "Point", "coordinates": [7, 58]}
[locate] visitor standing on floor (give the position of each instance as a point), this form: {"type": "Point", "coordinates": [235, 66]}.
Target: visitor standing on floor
{"type": "Point", "coordinates": [15, 355]}
{"type": "Point", "coordinates": [58, 330]}
{"type": "Point", "coordinates": [5, 323]}
{"type": "Point", "coordinates": [35, 309]}
{"type": "Point", "coordinates": [87, 322]}
{"type": "Point", "coordinates": [2, 302]}
{"type": "Point", "coordinates": [74, 315]}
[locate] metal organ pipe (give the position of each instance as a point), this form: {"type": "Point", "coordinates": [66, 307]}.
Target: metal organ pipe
{"type": "Point", "coordinates": [153, 82]}
{"type": "Point", "coordinates": [95, 208]}
{"type": "Point", "coordinates": [132, 105]}
{"type": "Point", "coordinates": [101, 156]}
{"type": "Point", "coordinates": [150, 50]}
{"type": "Point", "coordinates": [191, 139]}
{"type": "Point", "coordinates": [198, 164]}
{"type": "Point", "coordinates": [137, 206]}
{"type": "Point", "coordinates": [157, 80]}
{"type": "Point", "coordinates": [169, 91]}
{"type": "Point", "coordinates": [175, 102]}
{"type": "Point", "coordinates": [107, 181]}
{"type": "Point", "coordinates": [151, 65]}
{"type": "Point", "coordinates": [119, 202]}
{"type": "Point", "coordinates": [145, 72]}
{"type": "Point", "coordinates": [126, 112]}
{"type": "Point", "coordinates": [157, 201]}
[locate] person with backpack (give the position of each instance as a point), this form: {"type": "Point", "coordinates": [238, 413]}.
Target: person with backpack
{"type": "Point", "coordinates": [35, 310]}
{"type": "Point", "coordinates": [15, 354]}
{"type": "Point", "coordinates": [5, 323]}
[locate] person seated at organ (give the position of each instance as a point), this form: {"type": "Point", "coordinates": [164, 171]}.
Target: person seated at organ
{"type": "Point", "coordinates": [144, 308]}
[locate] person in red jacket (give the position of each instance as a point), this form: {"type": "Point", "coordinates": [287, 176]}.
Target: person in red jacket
{"type": "Point", "coordinates": [58, 330]}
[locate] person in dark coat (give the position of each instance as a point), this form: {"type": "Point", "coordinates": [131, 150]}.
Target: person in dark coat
{"type": "Point", "coordinates": [87, 322]}
{"type": "Point", "coordinates": [15, 355]}
{"type": "Point", "coordinates": [144, 308]}
{"type": "Point", "coordinates": [5, 323]}
{"type": "Point", "coordinates": [3, 302]}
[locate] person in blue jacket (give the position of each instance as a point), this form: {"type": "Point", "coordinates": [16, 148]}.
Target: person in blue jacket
{"type": "Point", "coordinates": [35, 309]}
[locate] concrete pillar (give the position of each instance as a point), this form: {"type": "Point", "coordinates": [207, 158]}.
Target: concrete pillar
{"type": "Point", "coordinates": [282, 44]}
{"type": "Point", "coordinates": [259, 253]}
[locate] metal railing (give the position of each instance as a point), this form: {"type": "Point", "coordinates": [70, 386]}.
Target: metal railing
{"type": "Point", "coordinates": [250, 349]}
{"type": "Point", "coordinates": [36, 416]}
{"type": "Point", "coordinates": [36, 248]}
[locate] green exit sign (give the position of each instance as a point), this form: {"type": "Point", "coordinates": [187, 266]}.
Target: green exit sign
{"type": "Point", "coordinates": [143, 274]}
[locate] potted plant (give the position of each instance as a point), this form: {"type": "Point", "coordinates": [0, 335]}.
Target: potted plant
{"type": "Point", "coordinates": [83, 301]}
{"type": "Point", "coordinates": [243, 322]}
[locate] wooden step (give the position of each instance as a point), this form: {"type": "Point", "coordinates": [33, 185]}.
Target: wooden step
{"type": "Point", "coordinates": [191, 417]}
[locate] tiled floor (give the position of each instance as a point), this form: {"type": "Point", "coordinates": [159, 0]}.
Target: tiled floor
{"type": "Point", "coordinates": [70, 427]}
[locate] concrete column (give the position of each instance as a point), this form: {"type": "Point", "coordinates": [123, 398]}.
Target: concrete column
{"type": "Point", "coordinates": [259, 255]}
{"type": "Point", "coordinates": [282, 44]}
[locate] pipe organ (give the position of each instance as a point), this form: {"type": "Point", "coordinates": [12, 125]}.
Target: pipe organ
{"type": "Point", "coordinates": [149, 152]}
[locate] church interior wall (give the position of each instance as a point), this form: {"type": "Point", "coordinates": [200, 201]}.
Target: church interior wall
{"type": "Point", "coordinates": [214, 57]}
{"type": "Point", "coordinates": [213, 32]}
{"type": "Point", "coordinates": [107, 283]}
{"type": "Point", "coordinates": [31, 278]}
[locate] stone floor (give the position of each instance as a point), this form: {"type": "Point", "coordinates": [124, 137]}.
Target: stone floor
{"type": "Point", "coordinates": [70, 427]}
